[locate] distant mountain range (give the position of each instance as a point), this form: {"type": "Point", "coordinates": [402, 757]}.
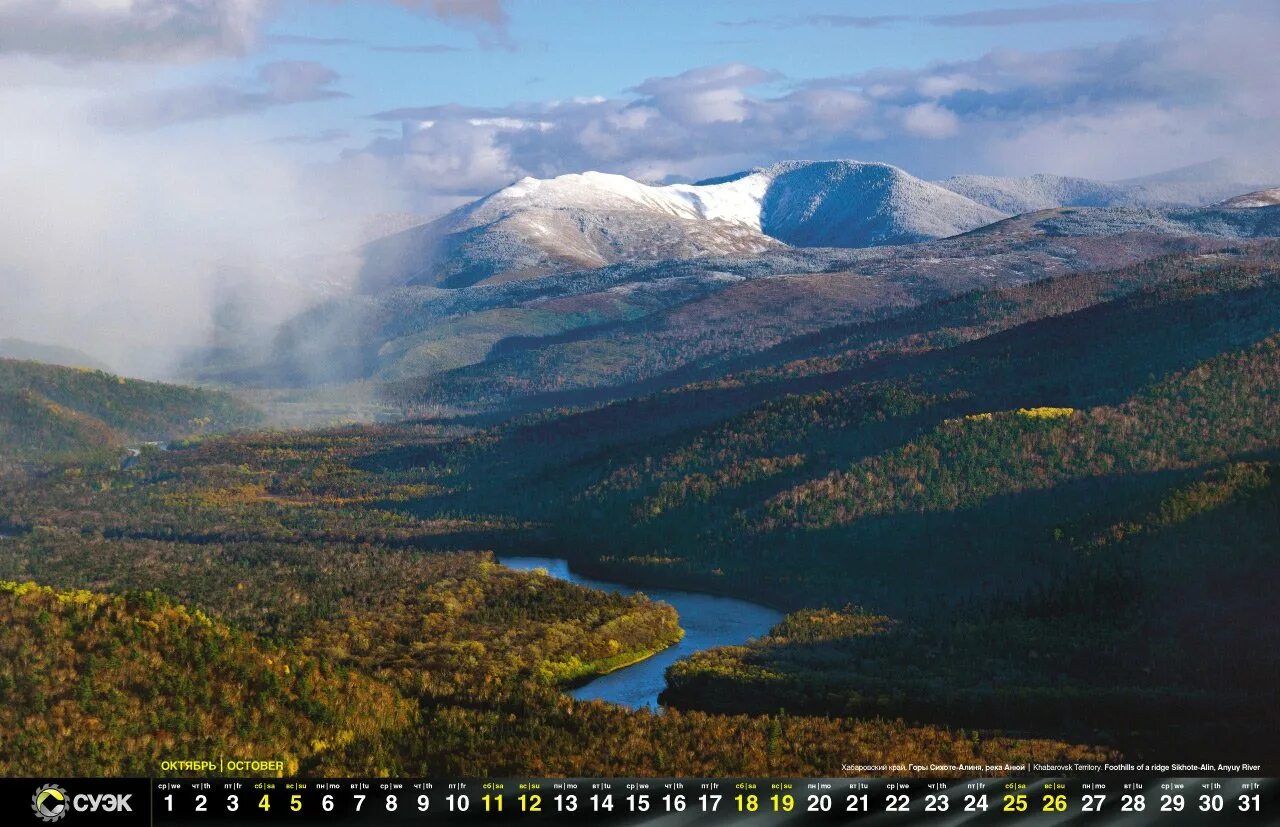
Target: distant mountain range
{"type": "Point", "coordinates": [1192, 186]}
{"type": "Point", "coordinates": [586, 220]}
{"type": "Point", "coordinates": [593, 219]}
{"type": "Point", "coordinates": [590, 280]}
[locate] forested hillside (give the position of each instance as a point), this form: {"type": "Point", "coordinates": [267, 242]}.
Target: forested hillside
{"type": "Point", "coordinates": [286, 538]}
{"type": "Point", "coordinates": [51, 410]}
{"type": "Point", "coordinates": [1018, 458]}
{"type": "Point", "coordinates": [1035, 520]}
{"type": "Point", "coordinates": [104, 685]}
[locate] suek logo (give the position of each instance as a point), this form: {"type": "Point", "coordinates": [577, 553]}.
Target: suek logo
{"type": "Point", "coordinates": [51, 803]}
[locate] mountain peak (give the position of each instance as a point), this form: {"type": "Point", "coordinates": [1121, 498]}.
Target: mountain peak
{"type": "Point", "coordinates": [588, 219]}
{"type": "Point", "coordinates": [736, 200]}
{"type": "Point", "coordinates": [780, 167]}
{"type": "Point", "coordinates": [847, 203]}
{"type": "Point", "coordinates": [836, 203]}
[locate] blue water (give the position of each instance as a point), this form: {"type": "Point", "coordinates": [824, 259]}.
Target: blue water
{"type": "Point", "coordinates": [707, 622]}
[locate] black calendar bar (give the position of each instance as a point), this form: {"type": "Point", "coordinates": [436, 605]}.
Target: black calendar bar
{"type": "Point", "coordinates": [635, 801]}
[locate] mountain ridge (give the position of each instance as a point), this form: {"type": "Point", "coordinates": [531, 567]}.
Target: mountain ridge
{"type": "Point", "coordinates": [583, 220]}
{"type": "Point", "coordinates": [1253, 200]}
{"type": "Point", "coordinates": [591, 219]}
{"type": "Point", "coordinates": [1197, 185]}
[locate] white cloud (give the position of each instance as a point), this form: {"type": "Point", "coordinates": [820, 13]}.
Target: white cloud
{"type": "Point", "coordinates": [185, 30]}
{"type": "Point", "coordinates": [929, 120]}
{"type": "Point", "coordinates": [280, 83]}
{"type": "Point", "coordinates": [128, 246]}
{"type": "Point", "coordinates": [129, 29]}
{"type": "Point", "coordinates": [706, 95]}
{"type": "Point", "coordinates": [686, 124]}
{"type": "Point", "coordinates": [936, 86]}
{"type": "Point", "coordinates": [1200, 87]}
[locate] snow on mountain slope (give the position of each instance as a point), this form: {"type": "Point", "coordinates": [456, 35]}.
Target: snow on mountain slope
{"type": "Point", "coordinates": [540, 226]}
{"type": "Point", "coordinates": [736, 201]}
{"type": "Point", "coordinates": [1253, 200]}
{"type": "Point", "coordinates": [1038, 192]}
{"type": "Point", "coordinates": [1201, 184]}
{"type": "Point", "coordinates": [422, 329]}
{"type": "Point", "coordinates": [1178, 222]}
{"type": "Point", "coordinates": [853, 204]}
{"type": "Point", "coordinates": [1193, 186]}
{"type": "Point", "coordinates": [583, 220]}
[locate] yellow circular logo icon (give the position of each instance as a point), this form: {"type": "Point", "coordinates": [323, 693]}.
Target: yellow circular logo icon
{"type": "Point", "coordinates": [50, 803]}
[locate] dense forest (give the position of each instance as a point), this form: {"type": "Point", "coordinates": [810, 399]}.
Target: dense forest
{"type": "Point", "coordinates": [462, 658]}
{"type": "Point", "coordinates": [1038, 521]}
{"type": "Point", "coordinates": [97, 684]}
{"type": "Point", "coordinates": [288, 553]}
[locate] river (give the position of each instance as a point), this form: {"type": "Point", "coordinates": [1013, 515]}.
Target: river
{"type": "Point", "coordinates": [707, 621]}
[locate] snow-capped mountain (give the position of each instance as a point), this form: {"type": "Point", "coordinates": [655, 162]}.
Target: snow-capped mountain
{"type": "Point", "coordinates": [852, 204]}
{"type": "Point", "coordinates": [538, 226]}
{"type": "Point", "coordinates": [592, 219]}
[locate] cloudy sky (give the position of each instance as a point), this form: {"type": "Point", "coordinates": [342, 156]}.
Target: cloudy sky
{"type": "Point", "coordinates": [154, 143]}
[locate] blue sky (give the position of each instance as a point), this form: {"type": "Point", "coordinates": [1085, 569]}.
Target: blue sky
{"type": "Point", "coordinates": [564, 49]}
{"type": "Point", "coordinates": [572, 48]}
